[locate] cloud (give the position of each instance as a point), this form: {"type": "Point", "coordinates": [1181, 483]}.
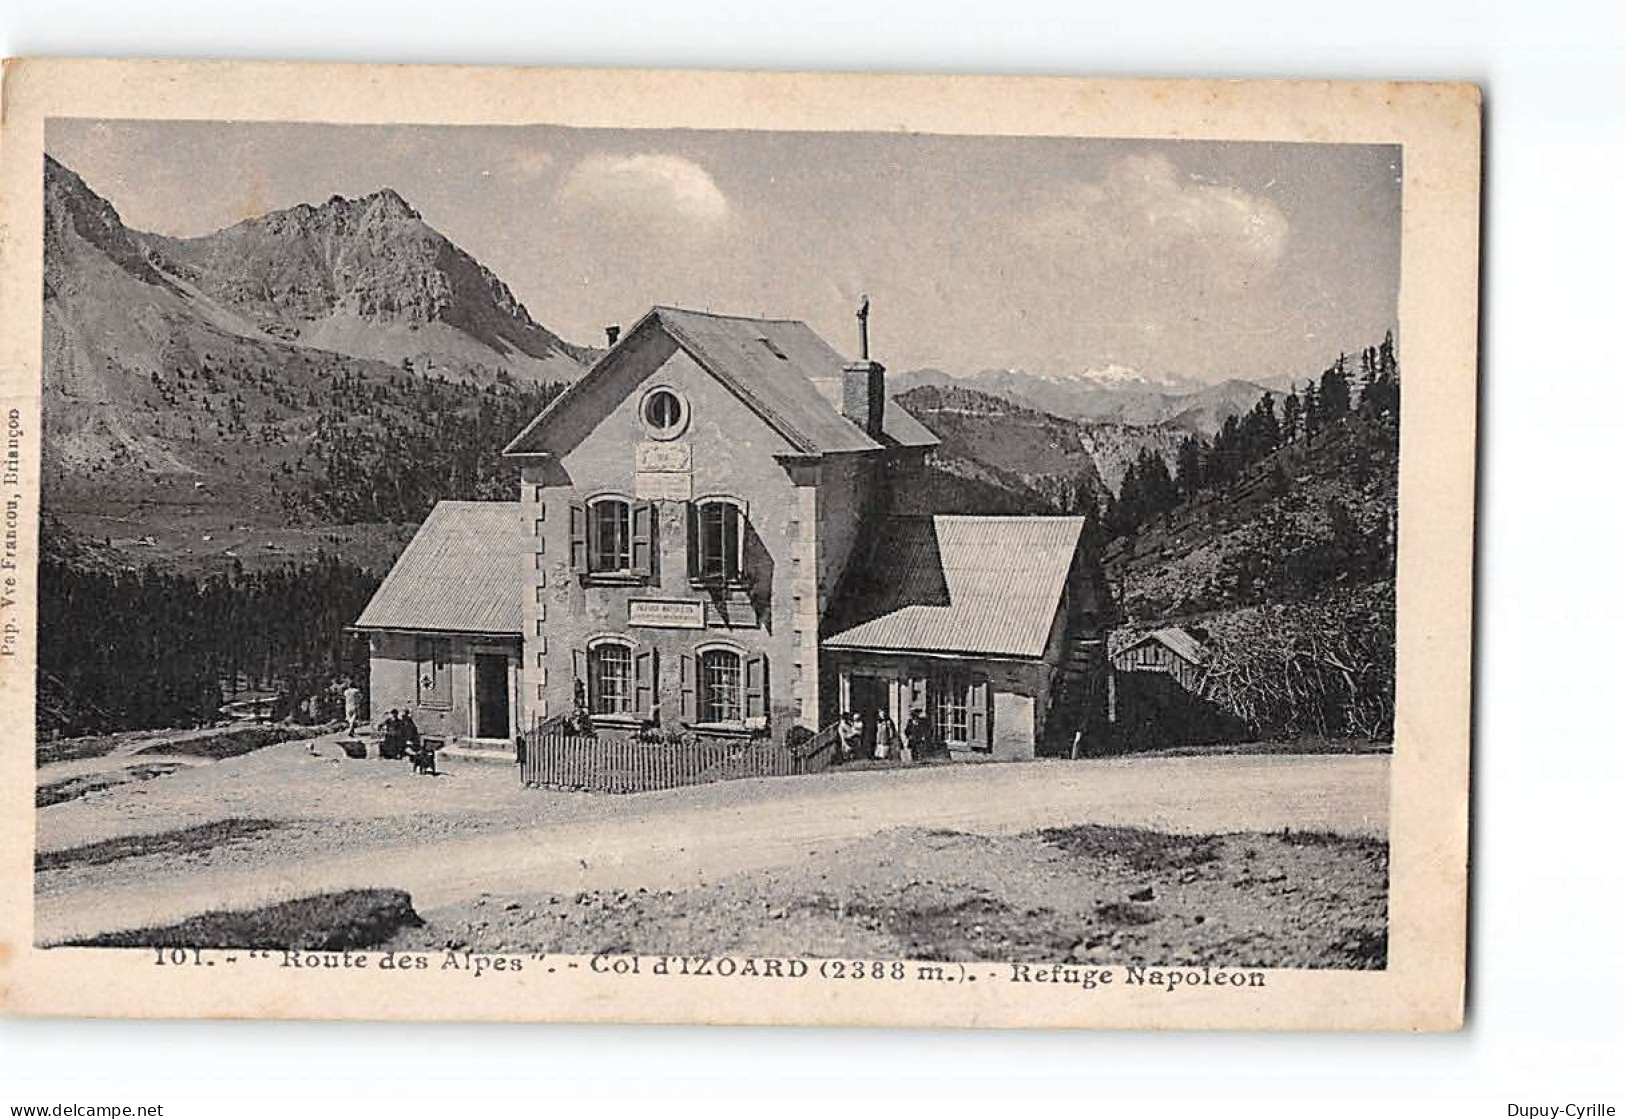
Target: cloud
{"type": "Point", "coordinates": [530, 163]}
{"type": "Point", "coordinates": [662, 192]}
{"type": "Point", "coordinates": [1143, 214]}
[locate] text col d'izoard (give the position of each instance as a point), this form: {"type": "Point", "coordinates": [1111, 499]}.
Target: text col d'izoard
{"type": "Point", "coordinates": [479, 965]}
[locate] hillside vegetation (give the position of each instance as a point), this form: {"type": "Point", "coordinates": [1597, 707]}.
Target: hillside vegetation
{"type": "Point", "coordinates": [1276, 547]}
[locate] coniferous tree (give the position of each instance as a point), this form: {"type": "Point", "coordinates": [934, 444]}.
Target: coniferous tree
{"type": "Point", "coordinates": [1291, 416]}
{"type": "Point", "coordinates": [1188, 466]}
{"type": "Point", "coordinates": [1334, 391]}
{"type": "Point", "coordinates": [1311, 412]}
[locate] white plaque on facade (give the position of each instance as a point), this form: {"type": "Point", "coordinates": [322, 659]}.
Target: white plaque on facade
{"type": "Point", "coordinates": [665, 457]}
{"type": "Point", "coordinates": [667, 613]}
{"type": "Point", "coordinates": [664, 487]}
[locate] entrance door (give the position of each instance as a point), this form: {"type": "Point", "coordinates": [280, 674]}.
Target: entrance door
{"type": "Point", "coordinates": [870, 694]}
{"type": "Point", "coordinates": [491, 716]}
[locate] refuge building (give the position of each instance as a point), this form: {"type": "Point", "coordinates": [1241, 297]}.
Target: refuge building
{"type": "Point", "coordinates": [709, 536]}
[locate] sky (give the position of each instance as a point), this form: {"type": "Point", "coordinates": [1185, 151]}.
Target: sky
{"type": "Point", "coordinates": [1053, 255]}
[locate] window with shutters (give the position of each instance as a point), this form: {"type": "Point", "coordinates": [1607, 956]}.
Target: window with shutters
{"type": "Point", "coordinates": [612, 538]}
{"type": "Point", "coordinates": [721, 687]}
{"type": "Point", "coordinates": [960, 713]}
{"type": "Point", "coordinates": [950, 710]}
{"type": "Point", "coordinates": [719, 540]}
{"type": "Point", "coordinates": [610, 532]}
{"type": "Point", "coordinates": [609, 679]}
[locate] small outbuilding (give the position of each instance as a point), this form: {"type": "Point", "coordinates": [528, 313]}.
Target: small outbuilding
{"type": "Point", "coordinates": [444, 627]}
{"type": "Point", "coordinates": [1172, 650]}
{"type": "Point", "coordinates": [1156, 692]}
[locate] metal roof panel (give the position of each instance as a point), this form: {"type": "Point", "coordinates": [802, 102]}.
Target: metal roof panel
{"type": "Point", "coordinates": [460, 573]}
{"type": "Point", "coordinates": [988, 585]}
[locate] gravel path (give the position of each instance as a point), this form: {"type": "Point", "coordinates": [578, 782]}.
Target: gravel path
{"type": "Point", "coordinates": [449, 839]}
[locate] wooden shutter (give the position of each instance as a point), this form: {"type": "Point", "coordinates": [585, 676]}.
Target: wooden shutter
{"type": "Point", "coordinates": [736, 554]}
{"type": "Point", "coordinates": [578, 537]}
{"type": "Point", "coordinates": [578, 663]}
{"type": "Point", "coordinates": [756, 687]}
{"type": "Point", "coordinates": [643, 682]}
{"type": "Point", "coordinates": [693, 541]}
{"type": "Point", "coordinates": [691, 694]}
{"type": "Point", "coordinates": [643, 535]}
{"type": "Point", "coordinates": [981, 721]}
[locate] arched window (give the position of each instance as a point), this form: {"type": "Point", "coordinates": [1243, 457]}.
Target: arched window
{"type": "Point", "coordinates": [721, 687]}
{"type": "Point", "coordinates": [719, 540]}
{"type": "Point", "coordinates": [609, 679]}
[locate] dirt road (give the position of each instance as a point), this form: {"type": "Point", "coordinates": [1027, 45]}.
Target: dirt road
{"type": "Point", "coordinates": [688, 837]}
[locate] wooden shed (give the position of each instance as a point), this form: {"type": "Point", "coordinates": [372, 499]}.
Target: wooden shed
{"type": "Point", "coordinates": [1172, 650]}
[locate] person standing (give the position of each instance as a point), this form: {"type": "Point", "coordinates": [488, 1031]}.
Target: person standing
{"type": "Point", "coordinates": [916, 736]}
{"type": "Point", "coordinates": [394, 740]}
{"type": "Point", "coordinates": [848, 732]}
{"type": "Point", "coordinates": [885, 735]}
{"type": "Point", "coordinates": [352, 707]}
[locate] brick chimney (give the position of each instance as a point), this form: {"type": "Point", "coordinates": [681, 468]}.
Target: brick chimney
{"type": "Point", "coordinates": [863, 383]}
{"type": "Point", "coordinates": [612, 334]}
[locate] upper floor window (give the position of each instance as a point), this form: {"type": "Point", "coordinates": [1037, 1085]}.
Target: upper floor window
{"type": "Point", "coordinates": [718, 533]}
{"type": "Point", "coordinates": [664, 413]}
{"type": "Point", "coordinates": [610, 532]}
{"type": "Point", "coordinates": [612, 536]}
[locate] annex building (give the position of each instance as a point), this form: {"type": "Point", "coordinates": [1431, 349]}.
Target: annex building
{"type": "Point", "coordinates": [721, 528]}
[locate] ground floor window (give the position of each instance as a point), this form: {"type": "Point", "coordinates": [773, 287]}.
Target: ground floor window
{"type": "Point", "coordinates": [720, 687]}
{"type": "Point", "coordinates": [950, 710]}
{"type": "Point", "coordinates": [609, 679]}
{"type": "Point", "coordinates": [434, 671]}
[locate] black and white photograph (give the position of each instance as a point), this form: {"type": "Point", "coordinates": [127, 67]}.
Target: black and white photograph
{"type": "Point", "coordinates": [909, 557]}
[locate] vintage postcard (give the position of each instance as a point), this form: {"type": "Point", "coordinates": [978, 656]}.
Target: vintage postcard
{"type": "Point", "coordinates": [735, 548]}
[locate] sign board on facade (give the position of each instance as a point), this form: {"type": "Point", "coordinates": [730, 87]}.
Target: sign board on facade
{"type": "Point", "coordinates": [665, 457]}
{"type": "Point", "coordinates": [668, 613]}
{"type": "Point", "coordinates": [664, 487]}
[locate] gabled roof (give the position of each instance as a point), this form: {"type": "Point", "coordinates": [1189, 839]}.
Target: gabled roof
{"type": "Point", "coordinates": [1181, 641]}
{"type": "Point", "coordinates": [461, 573]}
{"type": "Point", "coordinates": [981, 585]}
{"type": "Point", "coordinates": [776, 366]}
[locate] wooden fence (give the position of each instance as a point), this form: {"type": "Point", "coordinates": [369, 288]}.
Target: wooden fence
{"type": "Point", "coordinates": [621, 765]}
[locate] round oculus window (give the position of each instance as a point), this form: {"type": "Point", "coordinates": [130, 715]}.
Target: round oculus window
{"type": "Point", "coordinates": [665, 414]}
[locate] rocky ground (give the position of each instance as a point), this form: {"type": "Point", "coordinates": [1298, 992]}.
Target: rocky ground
{"type": "Point", "coordinates": [1096, 894]}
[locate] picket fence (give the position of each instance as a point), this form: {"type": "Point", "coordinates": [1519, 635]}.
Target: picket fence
{"type": "Point", "coordinates": [622, 765]}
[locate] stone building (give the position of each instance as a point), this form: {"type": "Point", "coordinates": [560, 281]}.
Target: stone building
{"type": "Point", "coordinates": [707, 537]}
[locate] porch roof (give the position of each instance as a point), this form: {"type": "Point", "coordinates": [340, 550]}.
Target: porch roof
{"type": "Point", "coordinates": [953, 584]}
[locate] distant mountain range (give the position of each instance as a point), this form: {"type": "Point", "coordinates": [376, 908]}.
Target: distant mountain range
{"type": "Point", "coordinates": [1044, 462]}
{"type": "Point", "coordinates": [1114, 394]}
